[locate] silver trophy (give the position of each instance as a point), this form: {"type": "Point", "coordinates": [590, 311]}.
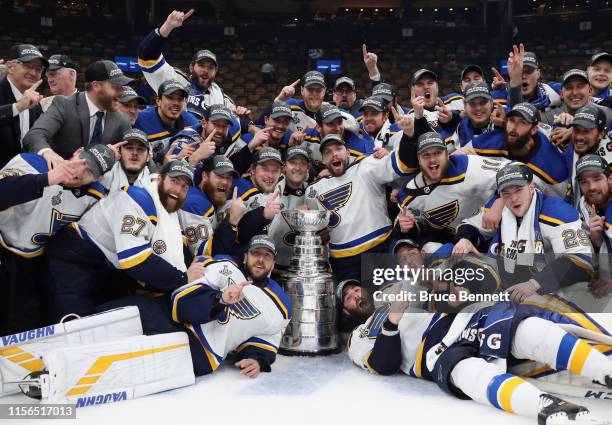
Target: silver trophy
{"type": "Point", "coordinates": [310, 286]}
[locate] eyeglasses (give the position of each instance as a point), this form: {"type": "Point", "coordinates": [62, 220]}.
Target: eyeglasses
{"type": "Point", "coordinates": [30, 67]}
{"type": "Point", "coordinates": [344, 91]}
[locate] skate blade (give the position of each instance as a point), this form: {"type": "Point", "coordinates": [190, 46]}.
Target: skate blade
{"type": "Point", "coordinates": [582, 418]}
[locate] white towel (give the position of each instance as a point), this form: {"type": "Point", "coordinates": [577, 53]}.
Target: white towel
{"type": "Point", "coordinates": [116, 178]}
{"type": "Point", "coordinates": [511, 235]}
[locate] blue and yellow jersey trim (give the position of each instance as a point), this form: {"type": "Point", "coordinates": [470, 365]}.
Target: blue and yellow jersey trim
{"type": "Point", "coordinates": [144, 200]}
{"type": "Point", "coordinates": [151, 65]}
{"type": "Point", "coordinates": [451, 97]}
{"type": "Point", "coordinates": [176, 297]}
{"type": "Point", "coordinates": [246, 189]}
{"type": "Point", "coordinates": [35, 161]}
{"type": "Point", "coordinates": [361, 244]}
{"type": "Point", "coordinates": [280, 300]}
{"type": "Point", "coordinates": [400, 168]}
{"type": "Point", "coordinates": [213, 359]}
{"type": "Point", "coordinates": [257, 343]}
{"type": "Point", "coordinates": [134, 256]}
{"type": "Point", "coordinates": [96, 190]}
{"type": "Point", "coordinates": [22, 252]}
{"type": "Point", "coordinates": [556, 212]}
{"type": "Point", "coordinates": [197, 203]}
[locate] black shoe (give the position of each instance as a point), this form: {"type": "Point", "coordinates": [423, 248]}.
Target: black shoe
{"type": "Point", "coordinates": [551, 407]}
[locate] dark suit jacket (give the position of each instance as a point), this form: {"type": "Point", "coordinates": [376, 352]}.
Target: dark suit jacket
{"type": "Point", "coordinates": [65, 127]}
{"type": "Point", "coordinates": [10, 132]}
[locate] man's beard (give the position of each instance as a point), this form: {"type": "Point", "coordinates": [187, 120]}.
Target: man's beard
{"type": "Point", "coordinates": [256, 279]}
{"type": "Point", "coordinates": [165, 199]}
{"type": "Point", "coordinates": [519, 143]}
{"type": "Point", "coordinates": [217, 198]}
{"type": "Point", "coordinates": [603, 197]}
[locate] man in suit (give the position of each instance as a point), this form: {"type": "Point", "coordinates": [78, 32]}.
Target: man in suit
{"type": "Point", "coordinates": [19, 107]}
{"type": "Point", "coordinates": [83, 119]}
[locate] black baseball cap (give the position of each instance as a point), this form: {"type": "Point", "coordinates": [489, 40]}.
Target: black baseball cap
{"type": "Point", "coordinates": [61, 61]}
{"type": "Point", "coordinates": [266, 154]}
{"type": "Point", "coordinates": [515, 174]}
{"type": "Point", "coordinates": [314, 77]}
{"type": "Point", "coordinates": [100, 159]}
{"type": "Point", "coordinates": [280, 109]}
{"type": "Point", "coordinates": [590, 116]}
{"type": "Point", "coordinates": [527, 111]}
{"type": "Point", "coordinates": [26, 53]}
{"type": "Point", "coordinates": [178, 168]}
{"type": "Point", "coordinates": [476, 89]}
{"type": "Point", "coordinates": [262, 241]}
{"type": "Point", "coordinates": [204, 54]}
{"type": "Point", "coordinates": [197, 110]}
{"type": "Point", "coordinates": [171, 86]}
{"type": "Point", "coordinates": [327, 113]}
{"type": "Point", "coordinates": [331, 138]}
{"type": "Point", "coordinates": [219, 164]}
{"type": "Point", "coordinates": [130, 94]}
{"type": "Point", "coordinates": [374, 102]}
{"type": "Point", "coordinates": [421, 72]}
{"type": "Point", "coordinates": [136, 134]}
{"type": "Point", "coordinates": [345, 80]}
{"type": "Point", "coordinates": [384, 90]}
{"type": "Point", "coordinates": [218, 112]}
{"type": "Point", "coordinates": [105, 70]}
{"type": "Point", "coordinates": [472, 67]}
{"type": "Point", "coordinates": [601, 56]}
{"type": "Point", "coordinates": [576, 73]}
{"type": "Point", "coordinates": [405, 241]}
{"type": "Point", "coordinates": [294, 151]}
{"type": "Point", "coordinates": [531, 60]}
{"type": "Point", "coordinates": [591, 162]}
{"type": "Point", "coordinates": [428, 140]}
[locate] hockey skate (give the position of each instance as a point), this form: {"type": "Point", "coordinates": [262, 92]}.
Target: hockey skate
{"type": "Point", "coordinates": [555, 411]}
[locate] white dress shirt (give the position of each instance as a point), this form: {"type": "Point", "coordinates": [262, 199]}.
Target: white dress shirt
{"type": "Point", "coordinates": [24, 116]}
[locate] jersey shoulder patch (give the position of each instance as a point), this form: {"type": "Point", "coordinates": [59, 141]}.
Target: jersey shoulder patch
{"type": "Point", "coordinates": [143, 199]}
{"type": "Point", "coordinates": [555, 212]}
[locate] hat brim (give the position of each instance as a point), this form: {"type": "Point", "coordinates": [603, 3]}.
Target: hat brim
{"type": "Point", "coordinates": [593, 168]}
{"type": "Point", "coordinates": [205, 58]}
{"type": "Point", "coordinates": [345, 83]}
{"type": "Point", "coordinates": [293, 155]}
{"type": "Point", "coordinates": [332, 118]}
{"type": "Point", "coordinates": [513, 182]}
{"type": "Point", "coordinates": [312, 83]}
{"type": "Point", "coordinates": [261, 245]}
{"type": "Point", "coordinates": [376, 108]}
{"type": "Point", "coordinates": [281, 114]}
{"type": "Point", "coordinates": [174, 90]}
{"type": "Point", "coordinates": [416, 80]}
{"type": "Point", "coordinates": [28, 58]}
{"type": "Point", "coordinates": [582, 77]}
{"type": "Point", "coordinates": [531, 65]}
{"type": "Point", "coordinates": [431, 146]}
{"type": "Point", "coordinates": [584, 124]}
{"type": "Point", "coordinates": [604, 56]}
{"type": "Point", "coordinates": [121, 80]}
{"type": "Point", "coordinates": [322, 144]}
{"type": "Point", "coordinates": [261, 161]}
{"type": "Point", "coordinates": [224, 170]}
{"type": "Point", "coordinates": [524, 115]}
{"type": "Point", "coordinates": [142, 142]}
{"type": "Point", "coordinates": [179, 174]}
{"type": "Point", "coordinates": [94, 166]}
{"type": "Point", "coordinates": [477, 95]}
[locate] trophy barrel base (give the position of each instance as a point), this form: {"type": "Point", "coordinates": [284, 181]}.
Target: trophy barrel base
{"type": "Point", "coordinates": [327, 352]}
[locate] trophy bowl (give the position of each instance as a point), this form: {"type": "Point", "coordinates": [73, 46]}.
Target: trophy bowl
{"type": "Point", "coordinates": [302, 221]}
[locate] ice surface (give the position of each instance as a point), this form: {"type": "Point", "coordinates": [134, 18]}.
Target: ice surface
{"type": "Point", "coordinates": [304, 390]}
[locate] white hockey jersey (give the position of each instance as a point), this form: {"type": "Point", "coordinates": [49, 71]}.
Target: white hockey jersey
{"type": "Point", "coordinates": [26, 228]}
{"type": "Point", "coordinates": [198, 222]}
{"type": "Point", "coordinates": [116, 178]}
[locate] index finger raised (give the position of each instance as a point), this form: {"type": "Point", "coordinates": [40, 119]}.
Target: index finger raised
{"type": "Point", "coordinates": [295, 82]}
{"type": "Point", "coordinates": [364, 49]}
{"type": "Point", "coordinates": [36, 84]}
{"type": "Point", "coordinates": [188, 14]}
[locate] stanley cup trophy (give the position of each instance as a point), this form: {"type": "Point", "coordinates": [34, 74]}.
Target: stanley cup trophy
{"type": "Point", "coordinates": [309, 285]}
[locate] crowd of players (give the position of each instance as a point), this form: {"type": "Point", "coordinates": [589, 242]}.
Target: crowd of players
{"type": "Point", "coordinates": [107, 201]}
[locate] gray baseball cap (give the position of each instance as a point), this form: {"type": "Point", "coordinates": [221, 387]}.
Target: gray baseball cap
{"type": "Point", "coordinates": [601, 56]}
{"type": "Point", "coordinates": [402, 242]}
{"type": "Point", "coordinates": [375, 103]}
{"type": "Point", "coordinates": [531, 60]}
{"type": "Point", "coordinates": [129, 94]}
{"type": "Point", "coordinates": [384, 90]}
{"type": "Point", "coordinates": [477, 89]}
{"type": "Point", "coordinates": [100, 159]}
{"type": "Point", "coordinates": [342, 285]}
{"type": "Point", "coordinates": [262, 241]}
{"type": "Point", "coordinates": [345, 80]}
{"type": "Point", "coordinates": [591, 162]}
{"type": "Point", "coordinates": [136, 134]}
{"type": "Point", "coordinates": [294, 151]}
{"type": "Point", "coordinates": [171, 86]}
{"type": "Point", "coordinates": [219, 164]}
{"type": "Point", "coordinates": [314, 77]}
{"type": "Point", "coordinates": [331, 138]}
{"type": "Point", "coordinates": [590, 116]}
{"type": "Point", "coordinates": [328, 113]}
{"type": "Point", "coordinates": [204, 54]}
{"type": "Point", "coordinates": [61, 61]}
{"type": "Point", "coordinates": [178, 168]}
{"type": "Point", "coordinates": [575, 73]}
{"type": "Point", "coordinates": [420, 73]}
{"type": "Point", "coordinates": [515, 174]}
{"type": "Point", "coordinates": [27, 53]}
{"type": "Point", "coordinates": [472, 67]}
{"type": "Point", "coordinates": [527, 111]}
{"type": "Point", "coordinates": [266, 154]}
{"type": "Point", "coordinates": [280, 109]}
{"type": "Point", "coordinates": [428, 140]}
{"type": "Point", "coordinates": [218, 112]}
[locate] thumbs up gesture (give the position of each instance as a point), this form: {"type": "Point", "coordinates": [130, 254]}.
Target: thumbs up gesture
{"type": "Point", "coordinates": [237, 208]}
{"type": "Point", "coordinates": [272, 207]}
{"type": "Point", "coordinates": [405, 220]}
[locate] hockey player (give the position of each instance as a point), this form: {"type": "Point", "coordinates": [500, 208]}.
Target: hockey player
{"type": "Point", "coordinates": [131, 169]}
{"type": "Point", "coordinates": [313, 93]}
{"type": "Point", "coordinates": [375, 122]}
{"type": "Point", "coordinates": [166, 119]}
{"type": "Point", "coordinates": [130, 103]}
{"type": "Point", "coordinates": [600, 74]}
{"type": "Point", "coordinates": [522, 140]}
{"type": "Point", "coordinates": [532, 226]}
{"type": "Point", "coordinates": [447, 190]}
{"type": "Point", "coordinates": [233, 309]}
{"type": "Point", "coordinates": [133, 236]}
{"type": "Point", "coordinates": [348, 189]}
{"type": "Point", "coordinates": [465, 353]}
{"type": "Point", "coordinates": [203, 67]}
{"type": "Point", "coordinates": [36, 204]}
{"type": "Point", "coordinates": [588, 137]}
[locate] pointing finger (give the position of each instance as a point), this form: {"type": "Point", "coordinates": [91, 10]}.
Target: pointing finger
{"type": "Point", "coordinates": [235, 196]}
{"type": "Point", "coordinates": [295, 82]}
{"type": "Point", "coordinates": [364, 49]}
{"type": "Point", "coordinates": [211, 135]}
{"type": "Point", "coordinates": [188, 14]}
{"type": "Point", "coordinates": [496, 72]}
{"type": "Point", "coordinates": [36, 84]}
{"type": "Point", "coordinates": [396, 115]}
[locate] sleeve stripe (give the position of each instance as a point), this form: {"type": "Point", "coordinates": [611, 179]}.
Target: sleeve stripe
{"type": "Point", "coordinates": [177, 297]}
{"type": "Point", "coordinates": [268, 347]}
{"type": "Point", "coordinates": [130, 252]}
{"type": "Point", "coordinates": [248, 193]}
{"type": "Point", "coordinates": [135, 260]}
{"type": "Point", "coordinates": [152, 65]}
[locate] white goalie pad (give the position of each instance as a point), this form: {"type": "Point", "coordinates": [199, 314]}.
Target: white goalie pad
{"type": "Point", "coordinates": [118, 370]}
{"type": "Point", "coordinates": [20, 353]}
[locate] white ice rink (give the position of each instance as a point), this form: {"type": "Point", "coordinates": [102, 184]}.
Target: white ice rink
{"type": "Point", "coordinates": [303, 390]}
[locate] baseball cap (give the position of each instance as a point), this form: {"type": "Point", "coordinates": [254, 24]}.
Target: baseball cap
{"type": "Point", "coordinates": [26, 53]}
{"type": "Point", "coordinates": [218, 112]}
{"type": "Point", "coordinates": [575, 73]}
{"type": "Point", "coordinates": [601, 56]}
{"type": "Point", "coordinates": [384, 90]}
{"type": "Point", "coordinates": [531, 60]}
{"type": "Point", "coordinates": [591, 162]}
{"type": "Point", "coordinates": [129, 94]}
{"type": "Point", "coordinates": [61, 61]}
{"type": "Point", "coordinates": [331, 138]}
{"type": "Point", "coordinates": [219, 164]}
{"type": "Point", "coordinates": [185, 137]}
{"type": "Point", "coordinates": [280, 109]}
{"type": "Point", "coordinates": [100, 159]}
{"type": "Point", "coordinates": [327, 113]}
{"type": "Point", "coordinates": [375, 103]}
{"type": "Point", "coordinates": [204, 54]}
{"type": "Point", "coordinates": [342, 285]}
{"type": "Point", "coordinates": [137, 134]}
{"type": "Point", "coordinates": [472, 67]}
{"type": "Point", "coordinates": [171, 86]}
{"type": "Point", "coordinates": [294, 151]}
{"type": "Point", "coordinates": [527, 111]}
{"type": "Point", "coordinates": [198, 110]}
{"type": "Point", "coordinates": [476, 89]}
{"type": "Point", "coordinates": [266, 154]}
{"type": "Point", "coordinates": [421, 72]}
{"type": "Point", "coordinates": [402, 242]}
{"type": "Point", "coordinates": [515, 174]}
{"type": "Point", "coordinates": [429, 140]}
{"type": "Point", "coordinates": [262, 241]}
{"type": "Point", "coordinates": [344, 80]}
{"type": "Point", "coordinates": [314, 77]}
{"type": "Point", "coordinates": [178, 168]}
{"type": "Point", "coordinates": [106, 70]}
{"type": "Point", "coordinates": [590, 116]}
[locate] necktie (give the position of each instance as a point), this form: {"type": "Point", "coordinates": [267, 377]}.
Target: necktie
{"type": "Point", "coordinates": [97, 133]}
